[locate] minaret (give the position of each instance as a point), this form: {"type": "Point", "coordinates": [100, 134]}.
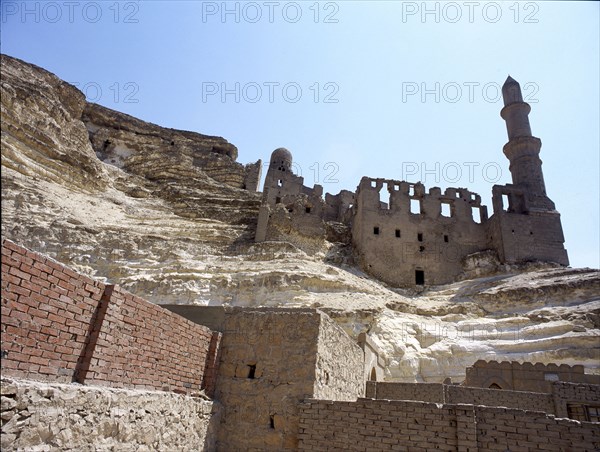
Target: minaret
{"type": "Point", "coordinates": [522, 148]}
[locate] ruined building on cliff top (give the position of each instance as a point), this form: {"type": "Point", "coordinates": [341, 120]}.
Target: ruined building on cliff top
{"type": "Point", "coordinates": [419, 237]}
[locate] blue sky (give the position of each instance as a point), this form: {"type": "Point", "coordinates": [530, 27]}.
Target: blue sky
{"type": "Point", "coordinates": [402, 90]}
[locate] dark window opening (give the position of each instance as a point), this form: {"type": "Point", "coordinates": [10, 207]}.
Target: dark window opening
{"type": "Point", "coordinates": [495, 386]}
{"type": "Point", "coordinates": [593, 413]}
{"type": "Point", "coordinates": [251, 371]}
{"type": "Point", "coordinates": [398, 233]}
{"type": "Point", "coordinates": [419, 277]}
{"type": "Point", "coordinates": [172, 143]}
{"type": "Point", "coordinates": [420, 236]}
{"type": "Point", "coordinates": [576, 411]}
{"type": "Point", "coordinates": [277, 200]}
{"type": "Point", "coordinates": [272, 421]}
{"type": "Point", "coordinates": [530, 232]}
{"type": "Point", "coordinates": [376, 230]}
{"type": "Point", "coordinates": [308, 210]}
{"type": "Point", "coordinates": [445, 238]}
{"type": "Point", "coordinates": [421, 249]}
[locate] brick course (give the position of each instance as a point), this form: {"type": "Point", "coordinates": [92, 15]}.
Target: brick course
{"type": "Point", "coordinates": [370, 424]}
{"type": "Point", "coordinates": [58, 325]}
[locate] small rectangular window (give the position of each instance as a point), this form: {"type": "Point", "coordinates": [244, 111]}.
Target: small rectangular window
{"type": "Point", "coordinates": [446, 211]}
{"type": "Point", "coordinates": [420, 236]}
{"type": "Point", "coordinates": [308, 210]}
{"type": "Point", "coordinates": [446, 238]}
{"type": "Point", "coordinates": [277, 200]}
{"type": "Point", "coordinates": [415, 206]}
{"type": "Point", "coordinates": [398, 233]}
{"type": "Point", "coordinates": [376, 230]}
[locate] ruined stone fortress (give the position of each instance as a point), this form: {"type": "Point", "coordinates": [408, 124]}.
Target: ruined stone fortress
{"type": "Point", "coordinates": [89, 366]}
{"type": "Point", "coordinates": [420, 237]}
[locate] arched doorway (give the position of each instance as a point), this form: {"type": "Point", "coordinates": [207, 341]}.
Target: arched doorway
{"type": "Point", "coordinates": [373, 376]}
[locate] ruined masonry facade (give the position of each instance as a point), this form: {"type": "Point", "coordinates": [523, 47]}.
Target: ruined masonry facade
{"type": "Point", "coordinates": [419, 237]}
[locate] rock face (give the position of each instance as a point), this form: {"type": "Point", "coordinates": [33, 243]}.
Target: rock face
{"type": "Point", "coordinates": [171, 216]}
{"type": "Point", "coordinates": [40, 416]}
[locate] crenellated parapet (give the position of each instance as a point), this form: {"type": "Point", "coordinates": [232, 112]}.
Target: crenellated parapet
{"type": "Point", "coordinates": [412, 199]}
{"type": "Point", "coordinates": [526, 376]}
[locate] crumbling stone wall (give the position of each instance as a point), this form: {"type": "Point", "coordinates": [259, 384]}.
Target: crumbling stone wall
{"type": "Point", "coordinates": [393, 242]}
{"type": "Point", "coordinates": [339, 373]}
{"type": "Point", "coordinates": [368, 424]}
{"type": "Point", "coordinates": [71, 417]}
{"type": "Point", "coordinates": [60, 326]}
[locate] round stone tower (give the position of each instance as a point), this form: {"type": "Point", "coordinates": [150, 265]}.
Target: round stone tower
{"type": "Point", "coordinates": [522, 148]}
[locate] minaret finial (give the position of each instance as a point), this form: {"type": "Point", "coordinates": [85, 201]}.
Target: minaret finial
{"type": "Point", "coordinates": [511, 91]}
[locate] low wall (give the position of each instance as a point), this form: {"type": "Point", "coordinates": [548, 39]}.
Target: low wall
{"type": "Point", "coordinates": [441, 393]}
{"type": "Point", "coordinates": [60, 326]}
{"type": "Point", "coordinates": [71, 417]}
{"type": "Point", "coordinates": [532, 401]}
{"type": "Point", "coordinates": [369, 424]}
{"type": "Point", "coordinates": [423, 392]}
{"type": "Point", "coordinates": [517, 376]}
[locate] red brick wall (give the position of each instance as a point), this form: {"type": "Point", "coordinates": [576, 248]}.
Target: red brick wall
{"type": "Point", "coordinates": [143, 345]}
{"type": "Point", "coordinates": [46, 312]}
{"type": "Point", "coordinates": [58, 325]}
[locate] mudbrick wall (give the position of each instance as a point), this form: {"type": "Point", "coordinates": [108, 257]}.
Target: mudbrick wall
{"type": "Point", "coordinates": [441, 393]}
{"type": "Point", "coordinates": [574, 399]}
{"type": "Point", "coordinates": [70, 417]}
{"type": "Point", "coordinates": [369, 424]}
{"type": "Point", "coordinates": [60, 326]}
{"type": "Point", "coordinates": [272, 359]}
{"type": "Point", "coordinates": [517, 376]}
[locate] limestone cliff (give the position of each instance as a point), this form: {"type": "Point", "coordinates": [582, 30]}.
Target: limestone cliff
{"type": "Point", "coordinates": [171, 216]}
